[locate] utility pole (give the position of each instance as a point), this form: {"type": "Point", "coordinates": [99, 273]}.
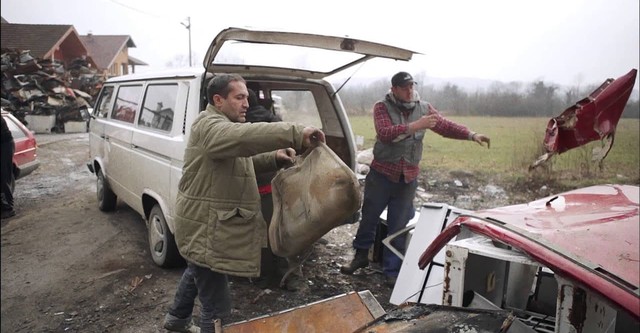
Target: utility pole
{"type": "Point", "coordinates": [188, 26]}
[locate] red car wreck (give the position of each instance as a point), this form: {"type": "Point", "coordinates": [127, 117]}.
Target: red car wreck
{"type": "Point", "coordinates": [567, 263]}
{"type": "Point", "coordinates": [564, 263]}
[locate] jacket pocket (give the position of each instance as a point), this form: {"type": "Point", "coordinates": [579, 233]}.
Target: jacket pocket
{"type": "Point", "coordinates": [234, 234]}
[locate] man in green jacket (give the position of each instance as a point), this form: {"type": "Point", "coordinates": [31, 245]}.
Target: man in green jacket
{"type": "Point", "coordinates": [219, 229]}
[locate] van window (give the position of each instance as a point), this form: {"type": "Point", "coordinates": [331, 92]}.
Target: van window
{"type": "Point", "coordinates": [105, 102]}
{"type": "Point", "coordinates": [126, 104]}
{"type": "Point", "coordinates": [159, 105]}
{"type": "Point", "coordinates": [296, 106]}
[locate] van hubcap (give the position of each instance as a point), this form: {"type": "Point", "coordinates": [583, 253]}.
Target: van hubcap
{"type": "Point", "coordinates": [156, 236]}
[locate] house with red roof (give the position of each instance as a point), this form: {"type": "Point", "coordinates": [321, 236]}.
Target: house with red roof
{"type": "Point", "coordinates": [108, 54]}
{"type": "Point", "coordinates": [111, 53]}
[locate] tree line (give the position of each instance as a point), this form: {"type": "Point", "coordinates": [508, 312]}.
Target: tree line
{"type": "Point", "coordinates": [513, 99]}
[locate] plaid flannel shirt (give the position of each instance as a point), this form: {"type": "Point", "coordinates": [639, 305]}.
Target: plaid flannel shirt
{"type": "Point", "coordinates": [386, 131]}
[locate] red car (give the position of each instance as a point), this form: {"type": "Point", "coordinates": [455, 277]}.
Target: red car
{"type": "Point", "coordinates": [564, 263]}
{"type": "Point", "coordinates": [25, 159]}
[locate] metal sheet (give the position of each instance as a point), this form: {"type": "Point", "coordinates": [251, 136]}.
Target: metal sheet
{"type": "Point", "coordinates": [420, 318]}
{"type": "Point", "coordinates": [343, 313]}
{"type": "Point", "coordinates": [593, 118]}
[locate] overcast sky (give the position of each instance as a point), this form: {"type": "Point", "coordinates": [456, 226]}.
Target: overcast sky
{"type": "Point", "coordinates": [567, 42]}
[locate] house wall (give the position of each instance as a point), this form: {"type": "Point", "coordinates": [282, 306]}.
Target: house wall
{"type": "Point", "coordinates": [120, 65]}
{"type": "Point", "coordinates": [58, 55]}
{"type": "Point", "coordinates": [68, 50]}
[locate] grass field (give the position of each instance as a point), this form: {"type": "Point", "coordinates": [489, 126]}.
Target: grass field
{"type": "Point", "coordinates": [516, 143]}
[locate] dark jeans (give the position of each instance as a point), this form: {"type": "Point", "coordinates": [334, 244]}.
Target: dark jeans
{"type": "Point", "coordinates": [381, 193]}
{"type": "Point", "coordinates": [210, 287]}
{"type": "Point", "coordinates": [272, 266]}
{"type": "Point", "coordinates": [6, 171]}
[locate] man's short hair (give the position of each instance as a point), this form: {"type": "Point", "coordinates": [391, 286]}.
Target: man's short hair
{"type": "Point", "coordinates": [219, 85]}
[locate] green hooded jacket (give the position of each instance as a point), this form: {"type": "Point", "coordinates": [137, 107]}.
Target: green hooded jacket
{"type": "Point", "coordinates": [218, 223]}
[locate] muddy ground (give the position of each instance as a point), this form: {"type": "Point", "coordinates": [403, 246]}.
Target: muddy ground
{"type": "Point", "coordinates": [68, 267]}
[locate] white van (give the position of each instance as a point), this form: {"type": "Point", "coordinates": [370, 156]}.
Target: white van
{"type": "Point", "coordinates": [140, 122]}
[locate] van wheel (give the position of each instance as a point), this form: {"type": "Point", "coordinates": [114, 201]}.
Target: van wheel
{"type": "Point", "coordinates": [106, 198]}
{"type": "Point", "coordinates": [162, 245]}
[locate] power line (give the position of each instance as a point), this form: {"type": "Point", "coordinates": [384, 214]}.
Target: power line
{"type": "Point", "coordinates": [186, 25]}
{"type": "Point", "coordinates": [138, 10]}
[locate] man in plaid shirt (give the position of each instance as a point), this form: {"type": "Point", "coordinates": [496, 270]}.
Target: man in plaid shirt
{"type": "Point", "coordinates": [401, 120]}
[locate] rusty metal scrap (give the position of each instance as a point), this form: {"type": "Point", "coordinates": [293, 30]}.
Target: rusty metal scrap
{"type": "Point", "coordinates": [32, 86]}
{"type": "Point", "coordinates": [593, 118]}
{"type": "Point", "coordinates": [412, 317]}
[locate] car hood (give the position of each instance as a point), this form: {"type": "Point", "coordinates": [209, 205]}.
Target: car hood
{"type": "Point", "coordinates": [241, 50]}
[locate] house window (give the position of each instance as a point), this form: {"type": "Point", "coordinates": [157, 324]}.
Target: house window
{"type": "Point", "coordinates": [127, 102]}
{"type": "Point", "coordinates": [159, 107]}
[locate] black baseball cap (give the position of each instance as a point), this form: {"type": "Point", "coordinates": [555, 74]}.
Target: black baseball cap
{"type": "Point", "coordinates": [401, 79]}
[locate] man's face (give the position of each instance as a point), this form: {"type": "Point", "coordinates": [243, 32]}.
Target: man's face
{"type": "Point", "coordinates": [403, 93]}
{"type": "Point", "coordinates": [235, 105]}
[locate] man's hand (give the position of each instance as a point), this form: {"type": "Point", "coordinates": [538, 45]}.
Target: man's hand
{"type": "Point", "coordinates": [481, 139]}
{"type": "Point", "coordinates": [312, 136]}
{"type": "Point", "coordinates": [428, 121]}
{"type": "Point", "coordinates": [285, 157]}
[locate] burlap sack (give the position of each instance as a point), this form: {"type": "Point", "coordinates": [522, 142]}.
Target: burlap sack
{"type": "Point", "coordinates": [317, 194]}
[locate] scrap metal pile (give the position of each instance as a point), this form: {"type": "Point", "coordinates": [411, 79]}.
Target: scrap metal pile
{"type": "Point", "coordinates": [32, 86]}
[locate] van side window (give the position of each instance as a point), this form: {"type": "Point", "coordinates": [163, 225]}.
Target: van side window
{"type": "Point", "coordinates": [104, 104]}
{"type": "Point", "coordinates": [159, 105]}
{"type": "Point", "coordinates": [126, 104]}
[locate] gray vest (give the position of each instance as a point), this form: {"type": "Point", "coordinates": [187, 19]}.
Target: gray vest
{"type": "Point", "coordinates": [404, 146]}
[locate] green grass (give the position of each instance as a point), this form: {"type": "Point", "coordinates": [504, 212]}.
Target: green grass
{"type": "Point", "coordinates": [516, 143]}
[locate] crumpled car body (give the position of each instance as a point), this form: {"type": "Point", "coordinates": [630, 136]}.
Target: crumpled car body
{"type": "Point", "coordinates": [592, 118]}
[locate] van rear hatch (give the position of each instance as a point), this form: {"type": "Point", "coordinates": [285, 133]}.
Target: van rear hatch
{"type": "Point", "coordinates": [303, 55]}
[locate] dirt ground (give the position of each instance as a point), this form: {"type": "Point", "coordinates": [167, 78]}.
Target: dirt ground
{"type": "Point", "coordinates": [68, 267]}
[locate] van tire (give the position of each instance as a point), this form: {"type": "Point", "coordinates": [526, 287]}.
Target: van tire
{"type": "Point", "coordinates": [162, 245]}
{"type": "Point", "coordinates": [106, 198]}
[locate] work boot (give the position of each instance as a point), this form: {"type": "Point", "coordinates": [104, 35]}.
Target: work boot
{"type": "Point", "coordinates": [390, 281]}
{"type": "Point", "coordinates": [175, 324]}
{"type": "Point", "coordinates": [295, 282]}
{"type": "Point", "coordinates": [360, 260]}
{"type": "Point", "coordinates": [8, 213]}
